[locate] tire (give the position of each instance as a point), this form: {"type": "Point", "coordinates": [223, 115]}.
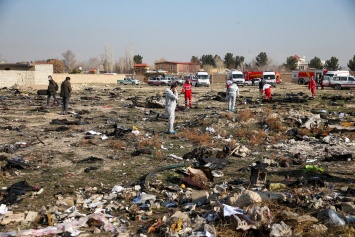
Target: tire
{"type": "Point", "coordinates": [301, 81]}
{"type": "Point", "coordinates": [337, 87]}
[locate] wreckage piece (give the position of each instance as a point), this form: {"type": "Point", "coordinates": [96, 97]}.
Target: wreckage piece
{"type": "Point", "coordinates": [258, 173]}
{"type": "Point", "coordinates": [89, 160]}
{"type": "Point", "coordinates": [159, 169]}
{"type": "Point", "coordinates": [119, 131]}
{"type": "Point", "coordinates": [67, 122]}
{"type": "Point", "coordinates": [17, 164]}
{"type": "Point", "coordinates": [156, 101]}
{"type": "Point", "coordinates": [19, 188]}
{"type": "Point", "coordinates": [70, 226]}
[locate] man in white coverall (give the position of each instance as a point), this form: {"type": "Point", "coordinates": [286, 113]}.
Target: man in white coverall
{"type": "Point", "coordinates": [171, 98]}
{"type": "Point", "coordinates": [233, 91]}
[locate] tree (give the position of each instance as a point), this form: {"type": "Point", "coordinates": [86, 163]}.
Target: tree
{"type": "Point", "coordinates": [291, 63]}
{"type": "Point", "coordinates": [69, 60]}
{"type": "Point", "coordinates": [58, 65]}
{"type": "Point", "coordinates": [207, 60]}
{"type": "Point", "coordinates": [332, 64]}
{"type": "Point", "coordinates": [107, 59]}
{"type": "Point", "coordinates": [229, 60]}
{"type": "Point", "coordinates": [194, 59]}
{"type": "Point", "coordinates": [315, 63]}
{"type": "Point", "coordinates": [218, 62]}
{"type": "Point", "coordinates": [137, 59]}
{"type": "Point", "coordinates": [239, 61]}
{"type": "Point", "coordinates": [261, 60]}
{"type": "Point", "coordinates": [93, 64]}
{"type": "Point", "coordinates": [351, 64]}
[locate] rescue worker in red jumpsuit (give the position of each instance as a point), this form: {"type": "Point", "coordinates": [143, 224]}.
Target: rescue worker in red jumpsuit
{"type": "Point", "coordinates": [312, 85]}
{"type": "Point", "coordinates": [267, 91]}
{"type": "Point", "coordinates": [187, 91]}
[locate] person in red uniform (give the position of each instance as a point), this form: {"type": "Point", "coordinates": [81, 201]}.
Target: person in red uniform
{"type": "Point", "coordinates": [187, 91]}
{"type": "Point", "coordinates": [267, 91]}
{"type": "Point", "coordinates": [312, 85]}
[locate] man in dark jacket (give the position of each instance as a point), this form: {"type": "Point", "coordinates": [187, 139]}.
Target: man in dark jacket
{"type": "Point", "coordinates": [65, 92]}
{"type": "Point", "coordinates": [52, 91]}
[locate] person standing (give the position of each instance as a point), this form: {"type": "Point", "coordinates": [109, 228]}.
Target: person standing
{"type": "Point", "coordinates": [187, 91]}
{"type": "Point", "coordinates": [267, 91]}
{"type": "Point", "coordinates": [52, 91]}
{"type": "Point", "coordinates": [233, 92]}
{"type": "Point", "coordinates": [312, 86]}
{"type": "Point", "coordinates": [261, 85]}
{"type": "Point", "coordinates": [321, 82]}
{"type": "Point", "coordinates": [65, 93]}
{"type": "Point", "coordinates": [171, 98]}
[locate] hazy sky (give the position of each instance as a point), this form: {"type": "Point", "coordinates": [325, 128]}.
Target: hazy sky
{"type": "Point", "coordinates": [176, 30]}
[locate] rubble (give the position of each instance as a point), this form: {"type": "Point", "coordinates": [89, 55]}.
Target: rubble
{"type": "Point", "coordinates": [272, 169]}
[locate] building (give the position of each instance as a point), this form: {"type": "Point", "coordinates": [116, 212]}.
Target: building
{"type": "Point", "coordinates": [178, 67]}
{"type": "Point", "coordinates": [302, 64]}
{"type": "Point", "coordinates": [24, 74]}
{"type": "Point", "coordinates": [140, 68]}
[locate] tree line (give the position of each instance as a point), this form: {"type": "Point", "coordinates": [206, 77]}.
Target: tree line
{"type": "Point", "coordinates": [125, 64]}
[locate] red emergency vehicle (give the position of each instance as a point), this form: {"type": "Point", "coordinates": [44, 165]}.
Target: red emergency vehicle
{"type": "Point", "coordinates": [302, 77]}
{"type": "Point", "coordinates": [251, 75]}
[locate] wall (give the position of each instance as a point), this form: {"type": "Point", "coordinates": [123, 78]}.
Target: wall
{"type": "Point", "coordinates": [88, 78]}
{"type": "Point", "coordinates": [31, 77]}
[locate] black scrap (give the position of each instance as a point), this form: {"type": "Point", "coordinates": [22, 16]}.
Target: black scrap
{"type": "Point", "coordinates": [90, 160]}
{"type": "Point", "coordinates": [15, 190]}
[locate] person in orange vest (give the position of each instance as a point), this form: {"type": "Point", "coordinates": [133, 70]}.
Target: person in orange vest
{"type": "Point", "coordinates": [312, 85]}
{"type": "Point", "coordinates": [187, 91]}
{"type": "Point", "coordinates": [267, 91]}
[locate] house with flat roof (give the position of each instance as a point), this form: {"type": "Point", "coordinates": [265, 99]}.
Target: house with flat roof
{"type": "Point", "coordinates": [178, 67]}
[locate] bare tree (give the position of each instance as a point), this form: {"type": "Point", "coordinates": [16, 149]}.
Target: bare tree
{"type": "Point", "coordinates": [107, 59]}
{"type": "Point", "coordinates": [160, 60]}
{"type": "Point", "coordinates": [92, 64]}
{"type": "Point", "coordinates": [129, 58]}
{"type": "Point", "coordinates": [219, 63]}
{"type": "Point", "coordinates": [69, 60]}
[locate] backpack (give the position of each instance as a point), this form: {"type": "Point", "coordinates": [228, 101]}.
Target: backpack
{"type": "Point", "coordinates": [56, 86]}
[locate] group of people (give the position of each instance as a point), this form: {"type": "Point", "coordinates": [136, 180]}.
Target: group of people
{"type": "Point", "coordinates": [65, 93]}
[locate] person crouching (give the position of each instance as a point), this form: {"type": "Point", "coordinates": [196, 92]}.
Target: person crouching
{"type": "Point", "coordinates": [267, 91]}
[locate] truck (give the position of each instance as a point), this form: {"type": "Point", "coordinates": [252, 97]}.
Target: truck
{"type": "Point", "coordinates": [275, 77]}
{"type": "Point", "coordinates": [202, 78]}
{"type": "Point", "coordinates": [236, 76]}
{"type": "Point", "coordinates": [302, 77]}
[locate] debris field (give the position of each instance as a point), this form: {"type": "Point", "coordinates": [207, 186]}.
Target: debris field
{"type": "Point", "coordinates": [272, 168]}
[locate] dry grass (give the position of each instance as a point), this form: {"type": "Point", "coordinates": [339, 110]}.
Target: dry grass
{"type": "Point", "coordinates": [274, 124]}
{"type": "Point", "coordinates": [196, 137]}
{"type": "Point", "coordinates": [245, 115]}
{"type": "Point", "coordinates": [117, 145]}
{"type": "Point", "coordinates": [252, 137]}
{"type": "Point", "coordinates": [152, 142]}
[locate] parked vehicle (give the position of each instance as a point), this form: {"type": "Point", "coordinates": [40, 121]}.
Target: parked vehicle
{"type": "Point", "coordinates": [270, 77]}
{"type": "Point", "coordinates": [159, 81]}
{"type": "Point", "coordinates": [177, 80]}
{"type": "Point", "coordinates": [339, 82]}
{"type": "Point", "coordinates": [128, 81]}
{"type": "Point", "coordinates": [302, 77]}
{"type": "Point", "coordinates": [337, 73]}
{"type": "Point", "coordinates": [256, 82]}
{"type": "Point", "coordinates": [236, 76]}
{"type": "Point", "coordinates": [202, 78]}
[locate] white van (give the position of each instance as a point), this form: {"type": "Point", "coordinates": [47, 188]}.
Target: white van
{"type": "Point", "coordinates": [202, 78]}
{"type": "Point", "coordinates": [236, 76]}
{"type": "Point", "coordinates": [270, 77]}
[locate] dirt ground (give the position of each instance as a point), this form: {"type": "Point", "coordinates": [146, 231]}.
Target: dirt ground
{"type": "Point", "coordinates": [51, 148]}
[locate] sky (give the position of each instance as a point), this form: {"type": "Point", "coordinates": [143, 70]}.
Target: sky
{"type": "Point", "coordinates": [33, 30]}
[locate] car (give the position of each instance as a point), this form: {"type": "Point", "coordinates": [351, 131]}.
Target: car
{"type": "Point", "coordinates": [159, 81]}
{"type": "Point", "coordinates": [177, 80]}
{"type": "Point", "coordinates": [250, 82]}
{"type": "Point", "coordinates": [128, 81]}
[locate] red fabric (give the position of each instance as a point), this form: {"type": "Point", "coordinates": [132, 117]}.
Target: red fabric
{"type": "Point", "coordinates": [268, 93]}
